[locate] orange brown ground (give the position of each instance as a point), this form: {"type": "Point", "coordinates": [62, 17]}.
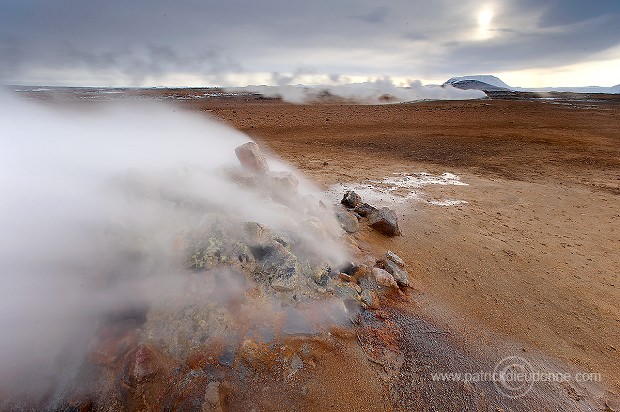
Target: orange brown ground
{"type": "Point", "coordinates": [534, 256]}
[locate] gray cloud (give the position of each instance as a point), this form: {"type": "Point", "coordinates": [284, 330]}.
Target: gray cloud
{"type": "Point", "coordinates": [561, 13]}
{"type": "Point", "coordinates": [519, 49]}
{"type": "Point", "coordinates": [377, 15]}
{"type": "Point", "coordinates": [149, 39]}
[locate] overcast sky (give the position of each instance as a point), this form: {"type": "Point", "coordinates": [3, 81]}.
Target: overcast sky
{"type": "Point", "coordinates": [527, 43]}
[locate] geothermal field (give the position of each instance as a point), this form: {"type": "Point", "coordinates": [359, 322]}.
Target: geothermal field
{"type": "Point", "coordinates": [226, 250]}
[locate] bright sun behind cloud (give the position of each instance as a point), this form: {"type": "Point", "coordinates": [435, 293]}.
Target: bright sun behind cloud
{"type": "Point", "coordinates": [485, 16]}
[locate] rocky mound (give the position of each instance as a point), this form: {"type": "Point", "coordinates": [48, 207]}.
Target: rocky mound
{"type": "Point", "coordinates": [240, 288]}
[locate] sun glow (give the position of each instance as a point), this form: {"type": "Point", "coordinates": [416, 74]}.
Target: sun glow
{"type": "Point", "coordinates": [485, 16]}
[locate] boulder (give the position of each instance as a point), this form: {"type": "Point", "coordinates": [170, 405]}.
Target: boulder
{"type": "Point", "coordinates": [251, 158]}
{"type": "Point", "coordinates": [347, 221]}
{"type": "Point", "coordinates": [401, 277]}
{"type": "Point", "coordinates": [384, 220]}
{"type": "Point", "coordinates": [351, 199]}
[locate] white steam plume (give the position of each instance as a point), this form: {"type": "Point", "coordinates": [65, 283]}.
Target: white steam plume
{"type": "Point", "coordinates": [92, 200]}
{"type": "Point", "coordinates": [372, 92]}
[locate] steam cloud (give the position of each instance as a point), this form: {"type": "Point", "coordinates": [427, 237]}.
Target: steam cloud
{"type": "Point", "coordinates": [375, 92]}
{"type": "Point", "coordinates": [93, 200]}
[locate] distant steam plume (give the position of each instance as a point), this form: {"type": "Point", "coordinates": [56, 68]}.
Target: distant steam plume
{"type": "Point", "coordinates": [372, 92]}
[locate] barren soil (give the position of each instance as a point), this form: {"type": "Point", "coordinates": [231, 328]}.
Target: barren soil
{"type": "Point", "coordinates": [528, 266]}
{"type": "Point", "coordinates": [533, 258]}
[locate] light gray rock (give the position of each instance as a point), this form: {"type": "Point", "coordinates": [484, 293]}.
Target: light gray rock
{"type": "Point", "coordinates": [345, 291]}
{"type": "Point", "coordinates": [370, 299]}
{"type": "Point", "coordinates": [394, 258]}
{"type": "Point", "coordinates": [400, 276]}
{"type": "Point", "coordinates": [347, 221]}
{"type": "Point", "coordinates": [384, 220]}
{"type": "Point", "coordinates": [284, 180]}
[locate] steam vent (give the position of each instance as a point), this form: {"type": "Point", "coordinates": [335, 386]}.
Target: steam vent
{"type": "Point", "coordinates": [256, 315]}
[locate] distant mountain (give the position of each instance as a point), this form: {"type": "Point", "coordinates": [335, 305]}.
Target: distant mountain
{"type": "Point", "coordinates": [484, 82]}
{"type": "Point", "coordinates": [487, 82]}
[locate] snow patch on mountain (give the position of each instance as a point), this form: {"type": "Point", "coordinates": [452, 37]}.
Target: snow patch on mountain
{"type": "Point", "coordinates": [483, 78]}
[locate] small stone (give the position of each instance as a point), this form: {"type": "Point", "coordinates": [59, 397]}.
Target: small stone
{"type": "Point", "coordinates": [370, 299]}
{"type": "Point", "coordinates": [284, 180]}
{"type": "Point", "coordinates": [244, 178]}
{"type": "Point", "coordinates": [384, 278]}
{"type": "Point", "coordinates": [347, 221]}
{"type": "Point", "coordinates": [394, 258]}
{"type": "Point", "coordinates": [251, 158]}
{"type": "Point", "coordinates": [351, 199]}
{"type": "Point", "coordinates": [348, 267]}
{"type": "Point", "coordinates": [346, 292]}
{"type": "Point", "coordinates": [227, 357]}
{"type": "Point", "coordinates": [141, 364]}
{"type": "Point", "coordinates": [385, 221]}
{"type": "Point", "coordinates": [344, 277]}
{"type": "Point", "coordinates": [212, 398]}
{"type": "Point", "coordinates": [321, 275]}
{"type": "Point", "coordinates": [285, 282]}
{"type": "Point", "coordinates": [360, 272]}
{"type": "Point", "coordinates": [296, 363]}
{"type": "Point", "coordinates": [401, 277]}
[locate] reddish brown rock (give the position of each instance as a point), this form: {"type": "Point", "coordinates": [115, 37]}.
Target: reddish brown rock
{"type": "Point", "coordinates": [106, 351]}
{"type": "Point", "coordinates": [344, 277]}
{"type": "Point", "coordinates": [251, 158]}
{"type": "Point", "coordinates": [383, 278]}
{"type": "Point", "coordinates": [141, 363]}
